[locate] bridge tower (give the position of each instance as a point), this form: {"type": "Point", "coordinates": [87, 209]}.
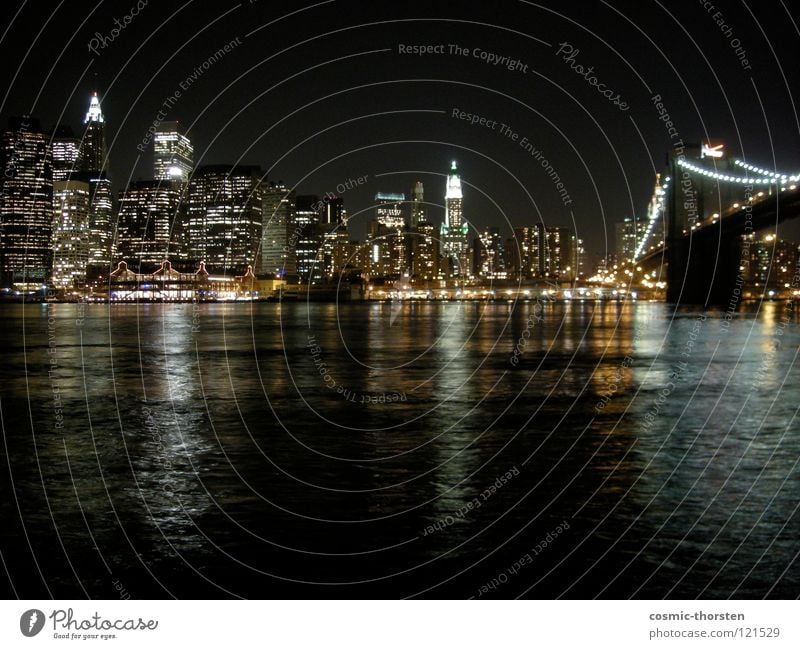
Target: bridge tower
{"type": "Point", "coordinates": [700, 270]}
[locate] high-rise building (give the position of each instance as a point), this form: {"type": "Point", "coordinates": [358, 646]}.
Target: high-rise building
{"type": "Point", "coordinates": [70, 232]}
{"type": "Point", "coordinates": [627, 239]}
{"type": "Point", "coordinates": [26, 204]}
{"type": "Point", "coordinates": [309, 236]}
{"type": "Point", "coordinates": [425, 255]}
{"type": "Point", "coordinates": [93, 162]}
{"type": "Point", "coordinates": [278, 257]}
{"type": "Point", "coordinates": [335, 237]}
{"type": "Point", "coordinates": [389, 210]}
{"type": "Point", "coordinates": [580, 254]}
{"type": "Point", "coordinates": [558, 259]}
{"type": "Point", "coordinates": [348, 257]}
{"type": "Point", "coordinates": [769, 262]}
{"type": "Point", "coordinates": [224, 216]}
{"type": "Point", "coordinates": [333, 212]}
{"type": "Point", "coordinates": [524, 252]}
{"type": "Point", "coordinates": [148, 224]}
{"type": "Point", "coordinates": [380, 248]}
{"type": "Point", "coordinates": [93, 146]}
{"type": "Point", "coordinates": [489, 255]}
{"type": "Point", "coordinates": [173, 154]}
{"type": "Point", "coordinates": [418, 211]}
{"type": "Point", "coordinates": [390, 233]}
{"type": "Point", "coordinates": [101, 227]}
{"type": "Point", "coordinates": [66, 153]}
{"type": "Point", "coordinates": [454, 230]}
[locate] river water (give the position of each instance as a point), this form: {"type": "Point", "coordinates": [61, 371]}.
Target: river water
{"type": "Point", "coordinates": [440, 449]}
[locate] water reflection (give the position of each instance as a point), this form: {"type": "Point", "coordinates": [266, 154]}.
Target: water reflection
{"type": "Point", "coordinates": [203, 451]}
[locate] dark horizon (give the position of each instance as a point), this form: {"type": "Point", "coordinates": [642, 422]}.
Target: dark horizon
{"type": "Point", "coordinates": [252, 106]}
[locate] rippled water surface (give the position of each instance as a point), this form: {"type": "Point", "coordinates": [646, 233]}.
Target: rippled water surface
{"type": "Point", "coordinates": [430, 449]}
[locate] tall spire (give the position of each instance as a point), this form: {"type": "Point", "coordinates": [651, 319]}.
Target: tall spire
{"type": "Point", "coordinates": [95, 114]}
{"type": "Point", "coordinates": [453, 183]}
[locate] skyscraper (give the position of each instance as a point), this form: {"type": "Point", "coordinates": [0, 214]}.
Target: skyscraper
{"type": "Point", "coordinates": [224, 215]}
{"type": "Point", "coordinates": [390, 234]}
{"type": "Point", "coordinates": [94, 163]}
{"type": "Point", "coordinates": [559, 255]}
{"type": "Point", "coordinates": [93, 147]}
{"type": "Point", "coordinates": [70, 232]}
{"type": "Point", "coordinates": [425, 255]}
{"type": "Point", "coordinates": [417, 204]}
{"type": "Point", "coordinates": [335, 238]}
{"type": "Point", "coordinates": [173, 154]}
{"type": "Point", "coordinates": [454, 230]}
{"type": "Point", "coordinates": [101, 225]}
{"type": "Point", "coordinates": [309, 234]}
{"type": "Point", "coordinates": [26, 204]}
{"type": "Point", "coordinates": [489, 259]}
{"type": "Point", "coordinates": [627, 239]}
{"type": "Point", "coordinates": [277, 257]}
{"type": "Point", "coordinates": [525, 252]}
{"type": "Point", "coordinates": [66, 153]}
{"type": "Point", "coordinates": [148, 225]}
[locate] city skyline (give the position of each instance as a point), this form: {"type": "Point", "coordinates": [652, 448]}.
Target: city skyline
{"type": "Point", "coordinates": [171, 216]}
{"type": "Point", "coordinates": [347, 300]}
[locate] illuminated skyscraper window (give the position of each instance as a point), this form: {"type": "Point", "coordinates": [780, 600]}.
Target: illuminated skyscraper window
{"type": "Point", "coordinates": [173, 154]}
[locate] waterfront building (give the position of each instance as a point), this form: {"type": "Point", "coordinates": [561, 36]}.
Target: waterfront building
{"type": "Point", "coordinates": [70, 233]}
{"type": "Point", "coordinates": [223, 221]}
{"type": "Point", "coordinates": [149, 223]}
{"type": "Point", "coordinates": [454, 229]}
{"type": "Point", "coordinates": [26, 204]}
{"type": "Point", "coordinates": [278, 258]}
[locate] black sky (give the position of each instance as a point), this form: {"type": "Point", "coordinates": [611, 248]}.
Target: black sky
{"type": "Point", "coordinates": [318, 93]}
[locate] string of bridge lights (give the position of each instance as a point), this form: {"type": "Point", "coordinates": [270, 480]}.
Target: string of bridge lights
{"type": "Point", "coordinates": [656, 208]}
{"type": "Point", "coordinates": [771, 180]}
{"type": "Point", "coordinates": [765, 172]}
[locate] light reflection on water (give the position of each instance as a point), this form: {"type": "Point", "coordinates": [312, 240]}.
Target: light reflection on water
{"type": "Point", "coordinates": [204, 454]}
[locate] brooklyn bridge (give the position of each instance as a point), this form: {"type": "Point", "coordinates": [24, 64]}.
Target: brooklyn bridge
{"type": "Point", "coordinates": [695, 234]}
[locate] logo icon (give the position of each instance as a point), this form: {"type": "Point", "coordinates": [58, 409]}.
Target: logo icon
{"type": "Point", "coordinates": [31, 622]}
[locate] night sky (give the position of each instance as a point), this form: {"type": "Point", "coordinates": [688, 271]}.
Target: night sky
{"type": "Point", "coordinates": [319, 93]}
